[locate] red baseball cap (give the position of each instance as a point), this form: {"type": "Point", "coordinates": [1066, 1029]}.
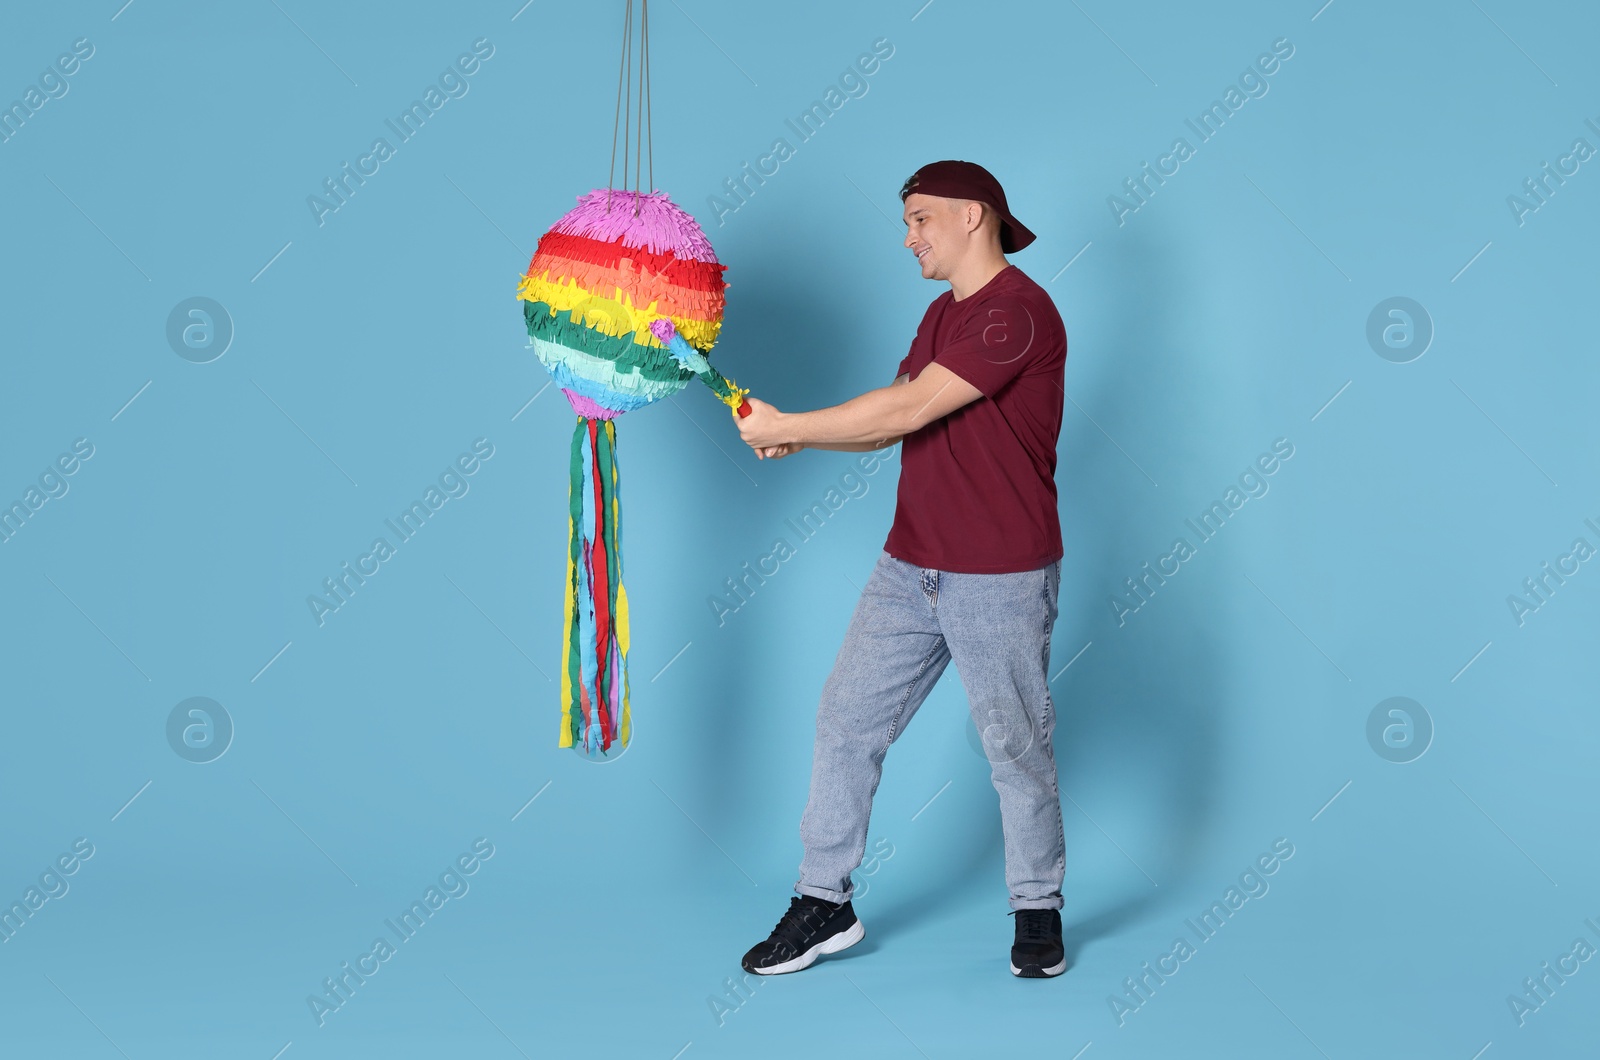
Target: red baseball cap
{"type": "Point", "coordinates": [952, 179]}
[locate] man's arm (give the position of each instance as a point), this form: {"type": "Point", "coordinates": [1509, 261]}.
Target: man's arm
{"type": "Point", "coordinates": [870, 419]}
{"type": "Point", "coordinates": [861, 447]}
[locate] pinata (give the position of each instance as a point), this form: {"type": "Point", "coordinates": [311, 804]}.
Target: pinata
{"type": "Point", "coordinates": [623, 299]}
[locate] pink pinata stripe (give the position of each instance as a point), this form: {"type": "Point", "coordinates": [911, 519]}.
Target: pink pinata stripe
{"type": "Point", "coordinates": [588, 407]}
{"type": "Point", "coordinates": [661, 226]}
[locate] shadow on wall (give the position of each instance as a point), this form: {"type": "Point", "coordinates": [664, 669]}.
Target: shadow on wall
{"type": "Point", "coordinates": [1148, 697]}
{"type": "Point", "coordinates": [1152, 703]}
{"type": "Point", "coordinates": [771, 342]}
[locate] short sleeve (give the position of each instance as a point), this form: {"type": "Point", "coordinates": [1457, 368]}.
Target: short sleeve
{"type": "Point", "coordinates": [999, 341]}
{"type": "Point", "coordinates": [917, 356]}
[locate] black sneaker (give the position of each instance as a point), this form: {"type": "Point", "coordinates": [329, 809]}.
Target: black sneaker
{"type": "Point", "coordinates": [1037, 951]}
{"type": "Point", "coordinates": [809, 929]}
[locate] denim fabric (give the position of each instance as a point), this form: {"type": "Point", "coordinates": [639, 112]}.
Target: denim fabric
{"type": "Point", "coordinates": [909, 624]}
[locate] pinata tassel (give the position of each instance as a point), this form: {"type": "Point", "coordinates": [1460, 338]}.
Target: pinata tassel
{"type": "Point", "coordinates": [600, 737]}
{"type": "Point", "coordinates": [571, 665]}
{"type": "Point", "coordinates": [587, 631]}
{"type": "Point", "coordinates": [620, 602]}
{"type": "Point", "coordinates": [616, 644]}
{"type": "Point", "coordinates": [594, 676]}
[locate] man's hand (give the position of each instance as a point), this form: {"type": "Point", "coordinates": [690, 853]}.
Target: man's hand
{"type": "Point", "coordinates": [777, 452]}
{"type": "Point", "coordinates": [764, 427]}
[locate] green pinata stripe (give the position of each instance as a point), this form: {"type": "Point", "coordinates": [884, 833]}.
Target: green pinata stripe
{"type": "Point", "coordinates": [557, 326]}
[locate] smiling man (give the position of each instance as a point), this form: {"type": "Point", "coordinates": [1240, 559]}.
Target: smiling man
{"type": "Point", "coordinates": [970, 572]}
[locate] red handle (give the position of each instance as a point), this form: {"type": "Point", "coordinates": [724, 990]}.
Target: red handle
{"type": "Point", "coordinates": [744, 408]}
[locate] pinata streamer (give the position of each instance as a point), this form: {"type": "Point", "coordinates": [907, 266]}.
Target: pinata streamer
{"type": "Point", "coordinates": [623, 299]}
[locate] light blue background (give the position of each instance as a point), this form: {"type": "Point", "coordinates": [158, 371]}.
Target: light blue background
{"type": "Point", "coordinates": [371, 351]}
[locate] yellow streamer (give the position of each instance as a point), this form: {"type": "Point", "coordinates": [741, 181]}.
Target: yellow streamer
{"type": "Point", "coordinates": [736, 396]}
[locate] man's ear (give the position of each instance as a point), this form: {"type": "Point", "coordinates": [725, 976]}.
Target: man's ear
{"type": "Point", "coordinates": [989, 219]}
{"type": "Point", "coordinates": [969, 220]}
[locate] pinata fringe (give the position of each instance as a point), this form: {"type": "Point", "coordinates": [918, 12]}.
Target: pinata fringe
{"type": "Point", "coordinates": [659, 269]}
{"type": "Point", "coordinates": [627, 356]}
{"type": "Point", "coordinates": [619, 316]}
{"type": "Point", "coordinates": [588, 377]}
{"type": "Point", "coordinates": [595, 709]}
{"type": "Point", "coordinates": [650, 300]}
{"type": "Point", "coordinates": [651, 220]}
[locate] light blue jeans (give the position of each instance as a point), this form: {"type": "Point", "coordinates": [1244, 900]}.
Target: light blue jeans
{"type": "Point", "coordinates": [909, 624]}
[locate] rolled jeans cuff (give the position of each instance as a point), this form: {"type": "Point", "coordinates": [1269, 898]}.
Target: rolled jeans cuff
{"type": "Point", "coordinates": [836, 897]}
{"type": "Point", "coordinates": [1054, 902]}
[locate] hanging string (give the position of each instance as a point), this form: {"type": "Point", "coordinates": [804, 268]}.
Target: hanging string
{"type": "Point", "coordinates": [624, 70]}
{"type": "Point", "coordinates": [646, 113]}
{"type": "Point", "coordinates": [633, 118]}
{"type": "Point", "coordinates": [638, 132]}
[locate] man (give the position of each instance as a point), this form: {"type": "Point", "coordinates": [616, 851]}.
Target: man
{"type": "Point", "coordinates": [970, 571]}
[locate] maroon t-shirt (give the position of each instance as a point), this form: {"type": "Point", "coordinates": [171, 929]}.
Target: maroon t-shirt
{"type": "Point", "coordinates": [977, 487]}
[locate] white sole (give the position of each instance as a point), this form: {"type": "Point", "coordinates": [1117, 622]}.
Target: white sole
{"type": "Point", "coordinates": [1055, 969]}
{"type": "Point", "coordinates": [842, 941]}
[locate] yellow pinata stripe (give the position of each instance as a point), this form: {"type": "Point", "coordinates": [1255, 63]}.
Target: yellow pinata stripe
{"type": "Point", "coordinates": [626, 729]}
{"type": "Point", "coordinates": [615, 316]}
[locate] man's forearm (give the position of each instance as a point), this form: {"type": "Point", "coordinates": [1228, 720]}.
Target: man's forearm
{"type": "Point", "coordinates": [852, 447]}
{"type": "Point", "coordinates": [868, 421]}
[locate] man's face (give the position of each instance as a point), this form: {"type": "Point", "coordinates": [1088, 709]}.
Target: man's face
{"type": "Point", "coordinates": [934, 233]}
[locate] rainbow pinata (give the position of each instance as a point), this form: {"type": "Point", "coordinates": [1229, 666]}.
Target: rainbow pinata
{"type": "Point", "coordinates": [623, 299]}
{"type": "Point", "coordinates": [597, 281]}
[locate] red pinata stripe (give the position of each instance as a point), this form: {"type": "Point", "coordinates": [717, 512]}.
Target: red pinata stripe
{"type": "Point", "coordinates": [695, 275]}
{"type": "Point", "coordinates": [602, 595]}
{"type": "Point", "coordinates": [670, 298]}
